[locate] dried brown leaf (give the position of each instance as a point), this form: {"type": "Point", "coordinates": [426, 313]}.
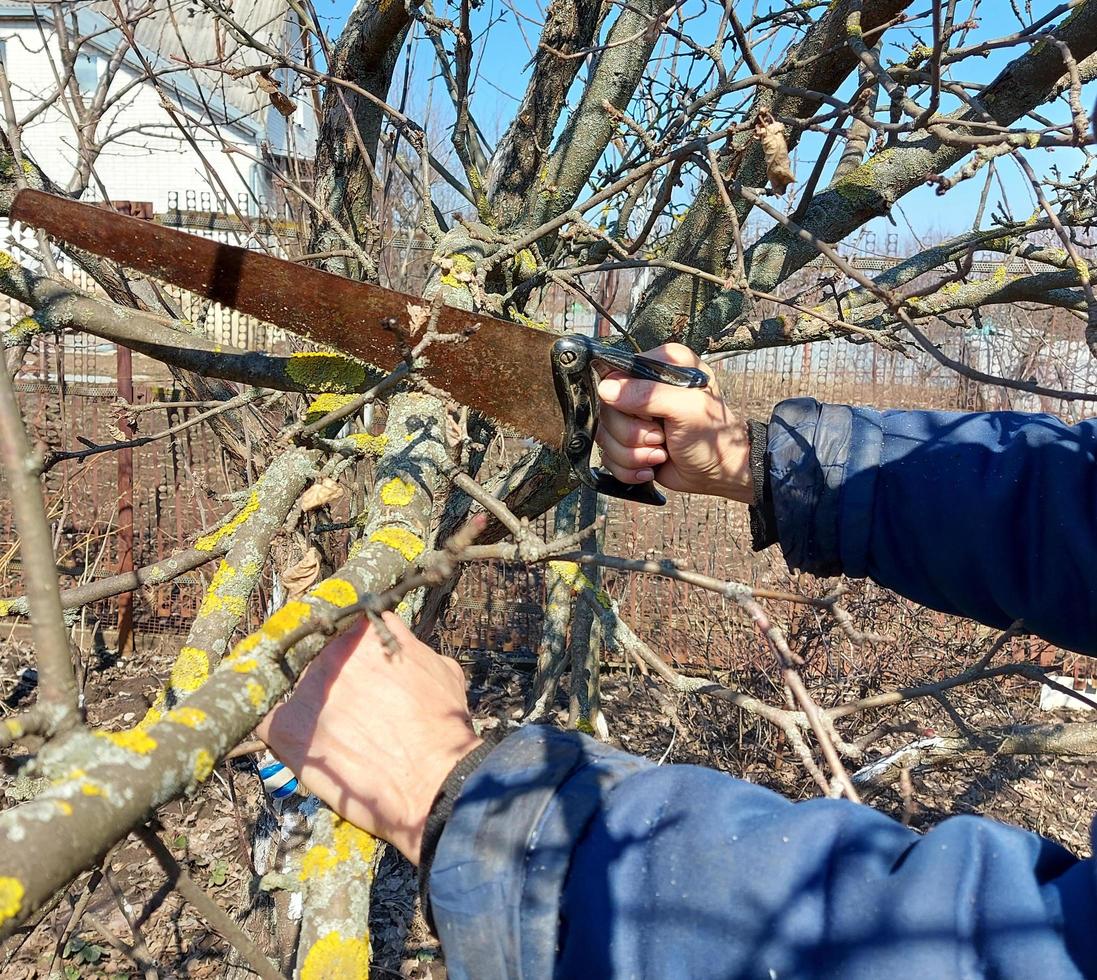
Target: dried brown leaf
{"type": "Point", "coordinates": [283, 103]}
{"type": "Point", "coordinates": [298, 578]}
{"type": "Point", "coordinates": [456, 428]}
{"type": "Point", "coordinates": [417, 317]}
{"type": "Point", "coordinates": [266, 83]}
{"type": "Point", "coordinates": [771, 134]}
{"type": "Point", "coordinates": [460, 272]}
{"type": "Point", "coordinates": [323, 492]}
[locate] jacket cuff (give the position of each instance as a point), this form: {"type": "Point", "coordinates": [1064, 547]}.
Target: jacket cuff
{"type": "Point", "coordinates": [498, 874]}
{"type": "Point", "coordinates": [440, 812]}
{"type": "Point", "coordinates": [763, 521]}
{"type": "Point", "coordinates": [823, 461]}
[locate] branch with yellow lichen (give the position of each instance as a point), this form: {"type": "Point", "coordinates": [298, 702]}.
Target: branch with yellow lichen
{"type": "Point", "coordinates": [156, 573]}
{"type": "Point", "coordinates": [59, 307]}
{"type": "Point", "coordinates": [250, 530]}
{"type": "Point", "coordinates": [336, 875]}
{"type": "Point", "coordinates": [105, 783]}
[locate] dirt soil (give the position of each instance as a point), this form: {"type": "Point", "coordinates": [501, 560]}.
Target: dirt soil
{"type": "Point", "coordinates": [133, 925]}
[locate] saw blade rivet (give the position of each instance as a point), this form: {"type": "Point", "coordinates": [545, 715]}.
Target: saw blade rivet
{"type": "Point", "coordinates": [568, 357]}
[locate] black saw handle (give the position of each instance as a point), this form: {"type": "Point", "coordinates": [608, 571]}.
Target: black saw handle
{"type": "Point", "coordinates": [573, 360]}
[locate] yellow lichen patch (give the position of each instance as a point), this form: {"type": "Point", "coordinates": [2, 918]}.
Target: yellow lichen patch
{"type": "Point", "coordinates": [918, 54]}
{"type": "Point", "coordinates": [218, 598]}
{"type": "Point", "coordinates": [5, 607]}
{"type": "Point", "coordinates": [257, 694]}
{"type": "Point", "coordinates": [246, 645]}
{"type": "Point", "coordinates": [460, 271]}
{"type": "Point", "coordinates": [318, 860]}
{"type": "Point", "coordinates": [862, 184]}
{"type": "Point", "coordinates": [525, 263]}
{"type": "Point", "coordinates": [133, 740]}
{"type": "Point", "coordinates": [155, 712]}
{"type": "Point", "coordinates": [1082, 269]}
{"type": "Point", "coordinates": [286, 619]}
{"type": "Point", "coordinates": [190, 670]}
{"type": "Point", "coordinates": [63, 807]}
{"type": "Point", "coordinates": [244, 666]}
{"type": "Point", "coordinates": [483, 204]}
{"type": "Point", "coordinates": [548, 188]}
{"type": "Point", "coordinates": [570, 572]}
{"type": "Point", "coordinates": [334, 958]}
{"type": "Point", "coordinates": [11, 900]}
{"type": "Point", "coordinates": [152, 717]}
{"type": "Point", "coordinates": [210, 541]}
{"type": "Point", "coordinates": [24, 328]}
{"type": "Point", "coordinates": [533, 324]}
{"type": "Point", "coordinates": [189, 717]}
{"type": "Point", "coordinates": [203, 765]}
{"type": "Point", "coordinates": [337, 591]}
{"type": "Point", "coordinates": [6, 261]}
{"type": "Point", "coordinates": [14, 728]}
{"type": "Point", "coordinates": [92, 789]}
{"type": "Point", "coordinates": [397, 492]}
{"type": "Point", "coordinates": [347, 841]}
{"type": "Point", "coordinates": [399, 539]}
{"type": "Point", "coordinates": [325, 403]}
{"type": "Point", "coordinates": [325, 371]}
{"type": "Point", "coordinates": [373, 445]}
{"type": "Point", "coordinates": [1000, 277]}
{"type": "Point", "coordinates": [350, 840]}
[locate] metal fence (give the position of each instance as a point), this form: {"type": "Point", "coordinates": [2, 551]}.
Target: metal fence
{"type": "Point", "coordinates": [69, 391]}
{"type": "Point", "coordinates": [499, 607]}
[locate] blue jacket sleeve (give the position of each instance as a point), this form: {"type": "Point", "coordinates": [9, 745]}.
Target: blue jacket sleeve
{"type": "Point", "coordinates": [988, 515]}
{"type": "Point", "coordinates": [566, 858]}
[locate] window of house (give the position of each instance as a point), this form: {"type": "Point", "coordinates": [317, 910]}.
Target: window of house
{"type": "Point", "coordinates": [89, 68]}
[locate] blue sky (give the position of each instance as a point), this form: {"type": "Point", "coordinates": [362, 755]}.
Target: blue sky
{"type": "Point", "coordinates": [501, 72]}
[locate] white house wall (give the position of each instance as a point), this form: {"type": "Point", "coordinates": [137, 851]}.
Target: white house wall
{"type": "Point", "coordinates": [149, 164]}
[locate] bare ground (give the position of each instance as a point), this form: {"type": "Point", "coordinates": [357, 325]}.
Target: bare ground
{"type": "Point", "coordinates": [133, 925]}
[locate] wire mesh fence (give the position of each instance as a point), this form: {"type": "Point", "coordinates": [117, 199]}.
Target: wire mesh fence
{"type": "Point", "coordinates": [69, 393]}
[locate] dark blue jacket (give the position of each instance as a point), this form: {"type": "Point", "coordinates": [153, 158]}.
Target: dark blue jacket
{"type": "Point", "coordinates": [566, 857]}
{"type": "Point", "coordinates": [991, 515]}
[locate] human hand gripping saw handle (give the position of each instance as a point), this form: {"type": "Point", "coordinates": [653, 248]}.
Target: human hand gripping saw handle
{"type": "Point", "coordinates": [573, 360]}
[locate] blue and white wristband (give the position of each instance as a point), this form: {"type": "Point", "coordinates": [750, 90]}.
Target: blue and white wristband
{"type": "Point", "coordinates": [278, 781]}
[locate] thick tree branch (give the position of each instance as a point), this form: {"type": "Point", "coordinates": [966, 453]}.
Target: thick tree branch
{"type": "Point", "coordinates": [124, 776]}
{"type": "Point", "coordinates": [882, 180]}
{"type": "Point", "coordinates": [56, 681]}
{"type": "Point", "coordinates": [570, 26]}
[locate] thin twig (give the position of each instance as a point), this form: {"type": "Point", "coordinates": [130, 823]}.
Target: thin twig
{"type": "Point", "coordinates": [207, 907]}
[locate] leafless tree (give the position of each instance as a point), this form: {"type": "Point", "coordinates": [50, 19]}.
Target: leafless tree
{"type": "Point", "coordinates": [716, 156]}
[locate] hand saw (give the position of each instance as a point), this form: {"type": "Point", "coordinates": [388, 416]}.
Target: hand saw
{"type": "Point", "coordinates": [533, 382]}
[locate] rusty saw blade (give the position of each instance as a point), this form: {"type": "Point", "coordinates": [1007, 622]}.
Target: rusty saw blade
{"type": "Point", "coordinates": [502, 369]}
